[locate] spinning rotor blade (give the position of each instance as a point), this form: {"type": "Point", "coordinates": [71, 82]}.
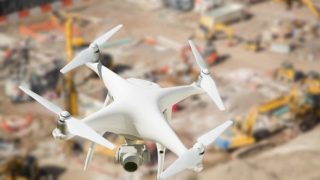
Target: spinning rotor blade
{"type": "Point", "coordinates": [100, 41]}
{"type": "Point", "coordinates": [193, 157]}
{"type": "Point", "coordinates": [212, 135]}
{"type": "Point", "coordinates": [201, 63]}
{"type": "Point", "coordinates": [188, 160]}
{"type": "Point", "coordinates": [49, 105]}
{"type": "Point", "coordinates": [75, 127]}
{"type": "Point", "coordinates": [207, 83]}
{"type": "Point", "coordinates": [87, 55]}
{"type": "Point", "coordinates": [90, 54]}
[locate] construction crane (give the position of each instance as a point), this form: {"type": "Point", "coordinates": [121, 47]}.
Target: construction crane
{"type": "Point", "coordinates": [70, 89]}
{"type": "Point", "coordinates": [71, 42]}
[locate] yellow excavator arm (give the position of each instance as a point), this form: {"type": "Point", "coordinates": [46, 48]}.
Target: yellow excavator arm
{"type": "Point", "coordinates": [208, 28]}
{"type": "Point", "coordinates": [310, 4]}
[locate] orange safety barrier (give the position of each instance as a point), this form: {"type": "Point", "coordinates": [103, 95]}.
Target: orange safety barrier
{"type": "Point", "coordinates": [33, 30]}
{"type": "Point", "coordinates": [46, 8]}
{"type": "Point", "coordinates": [66, 3]}
{"type": "Point", "coordinates": [23, 14]}
{"type": "Point", "coordinates": [2, 19]}
{"type": "Point", "coordinates": [6, 126]}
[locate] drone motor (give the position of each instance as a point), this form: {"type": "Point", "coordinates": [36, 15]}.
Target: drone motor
{"type": "Point", "coordinates": [61, 132]}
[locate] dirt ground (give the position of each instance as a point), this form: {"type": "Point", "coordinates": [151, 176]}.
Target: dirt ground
{"type": "Point", "coordinates": [294, 160]}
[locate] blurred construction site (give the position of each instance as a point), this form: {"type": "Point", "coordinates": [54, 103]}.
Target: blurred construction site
{"type": "Point", "coordinates": [263, 54]}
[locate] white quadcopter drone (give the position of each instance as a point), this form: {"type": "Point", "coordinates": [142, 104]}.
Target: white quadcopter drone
{"type": "Point", "coordinates": [138, 110]}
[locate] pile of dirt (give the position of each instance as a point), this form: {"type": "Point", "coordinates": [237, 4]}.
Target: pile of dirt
{"type": "Point", "coordinates": [292, 161]}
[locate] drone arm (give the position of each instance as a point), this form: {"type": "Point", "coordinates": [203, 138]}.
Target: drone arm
{"type": "Point", "coordinates": [108, 100]}
{"type": "Point", "coordinates": [170, 96]}
{"type": "Point", "coordinates": [93, 66]}
{"type": "Point", "coordinates": [106, 119]}
{"type": "Point", "coordinates": [112, 81]}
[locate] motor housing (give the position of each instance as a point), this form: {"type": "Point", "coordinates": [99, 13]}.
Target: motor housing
{"type": "Point", "coordinates": [61, 131]}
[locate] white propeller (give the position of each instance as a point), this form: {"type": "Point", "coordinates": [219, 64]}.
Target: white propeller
{"type": "Point", "coordinates": [206, 81]}
{"type": "Point", "coordinates": [208, 138]}
{"type": "Point", "coordinates": [74, 126]}
{"type": "Point", "coordinates": [90, 54]}
{"type": "Point", "coordinates": [192, 158]}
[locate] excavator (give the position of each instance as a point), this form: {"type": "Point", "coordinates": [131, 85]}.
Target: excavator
{"type": "Point", "coordinates": [288, 73]}
{"type": "Point", "coordinates": [19, 168]}
{"type": "Point", "coordinates": [300, 106]}
{"type": "Point", "coordinates": [208, 29]}
{"type": "Point", "coordinates": [209, 32]}
{"type": "Point", "coordinates": [313, 5]}
{"type": "Point", "coordinates": [255, 126]}
{"type": "Point", "coordinates": [307, 110]}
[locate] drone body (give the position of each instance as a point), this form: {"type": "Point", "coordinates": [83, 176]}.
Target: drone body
{"type": "Point", "coordinates": [138, 110]}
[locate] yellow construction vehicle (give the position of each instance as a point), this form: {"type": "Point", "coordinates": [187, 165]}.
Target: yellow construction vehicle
{"type": "Point", "coordinates": [287, 73]}
{"type": "Point", "coordinates": [252, 45]}
{"type": "Point", "coordinates": [254, 126]}
{"type": "Point", "coordinates": [248, 125]}
{"type": "Point", "coordinates": [312, 83]}
{"type": "Point", "coordinates": [306, 109]}
{"type": "Point", "coordinates": [210, 30]}
{"type": "Point", "coordinates": [300, 105]}
{"type": "Point", "coordinates": [19, 168]}
{"type": "Point", "coordinates": [309, 3]}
